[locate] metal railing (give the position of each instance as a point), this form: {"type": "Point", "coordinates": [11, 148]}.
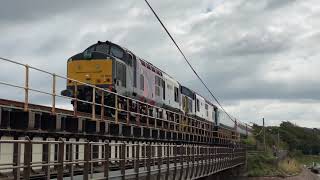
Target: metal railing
{"type": "Point", "coordinates": [101, 160]}
{"type": "Point", "coordinates": [145, 115]}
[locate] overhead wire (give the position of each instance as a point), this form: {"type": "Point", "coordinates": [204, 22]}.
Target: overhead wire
{"type": "Point", "coordinates": [186, 59]}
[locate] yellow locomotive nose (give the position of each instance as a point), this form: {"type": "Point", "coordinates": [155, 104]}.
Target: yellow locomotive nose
{"type": "Point", "coordinates": [96, 72]}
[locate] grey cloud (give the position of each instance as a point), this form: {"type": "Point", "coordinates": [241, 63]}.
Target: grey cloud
{"type": "Point", "coordinates": [233, 46]}
{"type": "Point", "coordinates": [27, 11]}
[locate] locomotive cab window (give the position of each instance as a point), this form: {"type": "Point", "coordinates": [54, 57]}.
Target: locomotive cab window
{"type": "Point", "coordinates": [89, 50]}
{"type": "Point", "coordinates": [130, 59]}
{"type": "Point", "coordinates": [121, 73]}
{"type": "Point", "coordinates": [117, 52]}
{"type": "Point", "coordinates": [103, 48]}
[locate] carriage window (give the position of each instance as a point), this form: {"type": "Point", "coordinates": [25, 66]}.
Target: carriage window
{"type": "Point", "coordinates": [198, 105]}
{"type": "Point", "coordinates": [207, 111]}
{"type": "Point", "coordinates": [190, 105]}
{"type": "Point", "coordinates": [158, 81]}
{"type": "Point", "coordinates": [176, 94]}
{"type": "Point", "coordinates": [134, 72]}
{"type": "Point", "coordinates": [141, 82]}
{"type": "Point", "coordinates": [103, 48]}
{"type": "Point", "coordinates": [164, 89]}
{"type": "Point", "coordinates": [157, 91]}
{"type": "Point", "coordinates": [116, 51]}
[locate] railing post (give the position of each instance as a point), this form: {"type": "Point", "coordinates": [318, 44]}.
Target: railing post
{"type": "Point", "coordinates": [102, 105]}
{"type": "Point", "coordinates": [159, 147]}
{"type": "Point", "coordinates": [27, 159]}
{"type": "Point", "coordinates": [87, 154]}
{"type": "Point", "coordinates": [181, 159]}
{"type": "Point", "coordinates": [215, 164]}
{"type": "Point", "coordinates": [60, 159]}
{"type": "Point", "coordinates": [148, 151]}
{"type": "Point", "coordinates": [106, 159]}
{"type": "Point", "coordinates": [53, 111]}
{"type": "Point", "coordinates": [198, 161]}
{"type": "Point", "coordinates": [148, 119]}
{"type": "Point", "coordinates": [116, 109]}
{"type": "Point", "coordinates": [207, 160]}
{"type": "Point", "coordinates": [193, 161]}
{"type": "Point", "coordinates": [46, 159]}
{"type": "Point", "coordinates": [16, 159]}
{"type": "Point", "coordinates": [93, 103]}
{"type": "Point", "coordinates": [168, 162]}
{"type": "Point", "coordinates": [128, 112]}
{"type": "Point", "coordinates": [175, 161]}
{"type": "Point", "coordinates": [75, 102]}
{"type": "Point", "coordinates": [138, 118]}
{"type": "Point", "coordinates": [71, 166]}
{"type": "Point", "coordinates": [137, 161]}
{"type": "Point", "coordinates": [188, 160]}
{"type": "Point", "coordinates": [26, 88]}
{"type": "Point", "coordinates": [211, 160]}
{"type": "Point", "coordinates": [123, 160]}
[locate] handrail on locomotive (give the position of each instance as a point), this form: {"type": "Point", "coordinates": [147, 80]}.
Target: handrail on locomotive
{"type": "Point", "coordinates": [102, 91]}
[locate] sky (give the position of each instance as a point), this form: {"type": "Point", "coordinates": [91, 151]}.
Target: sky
{"type": "Point", "coordinates": [260, 58]}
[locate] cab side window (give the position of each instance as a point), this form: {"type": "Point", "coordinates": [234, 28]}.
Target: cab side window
{"type": "Point", "coordinates": [117, 52]}
{"type": "Point", "coordinates": [141, 82]}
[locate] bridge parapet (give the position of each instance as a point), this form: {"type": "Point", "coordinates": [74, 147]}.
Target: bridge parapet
{"type": "Point", "coordinates": [123, 115]}
{"type": "Point", "coordinates": [99, 160]}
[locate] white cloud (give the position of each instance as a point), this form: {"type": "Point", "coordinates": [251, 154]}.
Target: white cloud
{"type": "Point", "coordinates": [259, 57]}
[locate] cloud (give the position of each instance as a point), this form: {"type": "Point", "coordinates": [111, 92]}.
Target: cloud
{"type": "Point", "coordinates": [260, 58]}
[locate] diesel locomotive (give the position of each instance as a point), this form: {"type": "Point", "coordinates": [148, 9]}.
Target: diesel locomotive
{"type": "Point", "coordinates": [108, 65]}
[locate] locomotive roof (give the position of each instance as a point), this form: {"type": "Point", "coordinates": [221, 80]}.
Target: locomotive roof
{"type": "Point", "coordinates": [147, 62]}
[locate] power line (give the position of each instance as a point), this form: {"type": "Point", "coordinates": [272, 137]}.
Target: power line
{"type": "Point", "coordinates": [186, 59]}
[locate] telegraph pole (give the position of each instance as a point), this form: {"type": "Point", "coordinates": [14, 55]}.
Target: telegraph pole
{"type": "Point", "coordinates": [278, 138]}
{"type": "Point", "coordinates": [264, 135]}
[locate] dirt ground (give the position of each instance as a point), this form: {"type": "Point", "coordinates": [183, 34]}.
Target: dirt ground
{"type": "Point", "coordinates": [304, 175]}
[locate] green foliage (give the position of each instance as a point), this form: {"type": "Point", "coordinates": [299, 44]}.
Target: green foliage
{"type": "Point", "coordinates": [262, 164]}
{"type": "Point", "coordinates": [291, 137]}
{"type": "Point", "coordinates": [265, 164]}
{"type": "Point", "coordinates": [306, 159]}
{"type": "Point", "coordinates": [302, 139]}
{"type": "Point", "coordinates": [250, 141]}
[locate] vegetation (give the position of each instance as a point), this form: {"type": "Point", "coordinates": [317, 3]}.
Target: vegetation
{"type": "Point", "coordinates": [291, 137]}
{"type": "Point", "coordinates": [303, 145]}
{"type": "Point", "coordinates": [262, 164]}
{"type": "Point", "coordinates": [307, 160]}
{"type": "Point", "coordinates": [265, 164]}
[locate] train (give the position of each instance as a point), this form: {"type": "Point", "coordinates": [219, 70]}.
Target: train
{"type": "Point", "coordinates": [113, 67]}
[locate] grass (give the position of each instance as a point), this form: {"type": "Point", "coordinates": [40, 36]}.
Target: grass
{"type": "Point", "coordinates": [265, 164]}
{"type": "Point", "coordinates": [262, 164]}
{"type": "Point", "coordinates": [308, 159]}
{"type": "Point", "coordinates": [289, 166]}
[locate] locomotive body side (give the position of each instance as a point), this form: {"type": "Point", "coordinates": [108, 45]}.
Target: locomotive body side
{"type": "Point", "coordinates": [113, 67]}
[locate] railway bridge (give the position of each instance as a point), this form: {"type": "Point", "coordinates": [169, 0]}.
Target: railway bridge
{"type": "Point", "coordinates": [127, 139]}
